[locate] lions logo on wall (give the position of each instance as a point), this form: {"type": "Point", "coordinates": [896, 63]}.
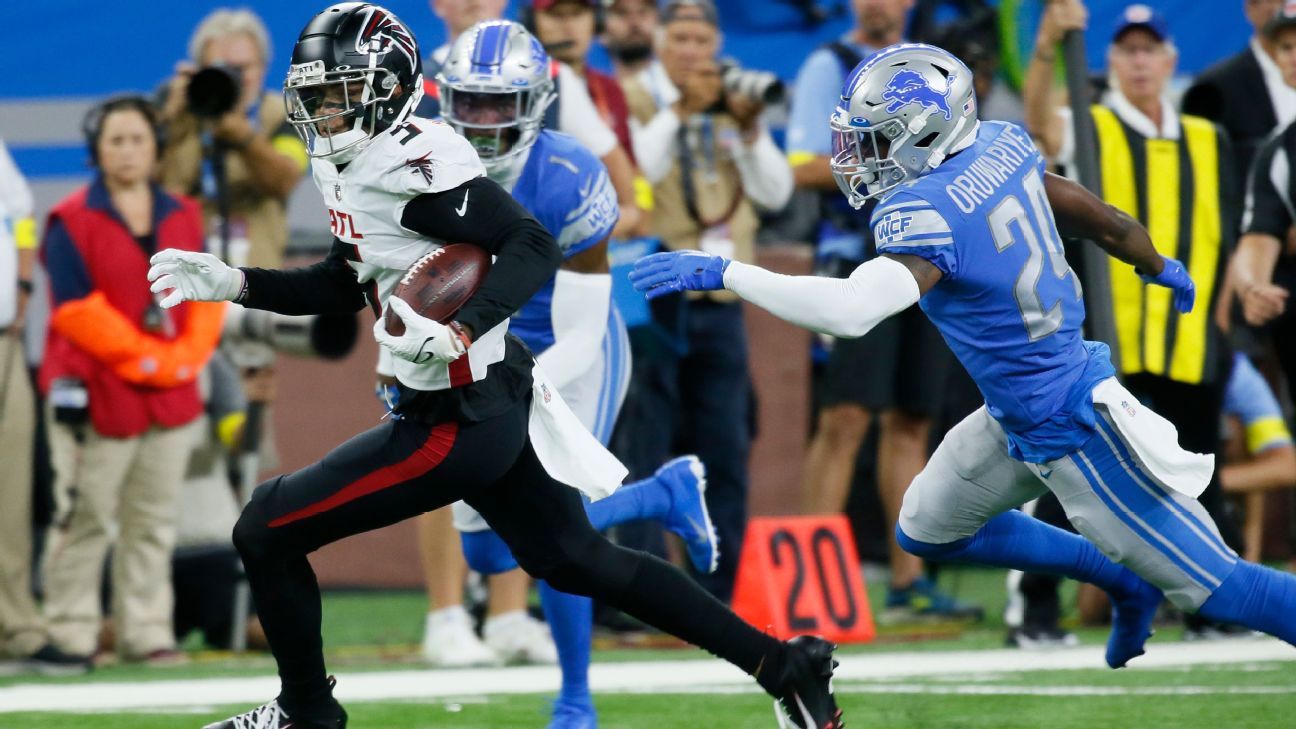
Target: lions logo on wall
{"type": "Point", "coordinates": [909, 87]}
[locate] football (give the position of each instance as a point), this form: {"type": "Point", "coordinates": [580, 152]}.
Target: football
{"type": "Point", "coordinates": [438, 284]}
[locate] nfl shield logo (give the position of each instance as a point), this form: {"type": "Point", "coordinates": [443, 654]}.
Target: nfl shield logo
{"type": "Point", "coordinates": [337, 191]}
{"type": "Point", "coordinates": [1128, 408]}
{"type": "Point", "coordinates": [544, 389]}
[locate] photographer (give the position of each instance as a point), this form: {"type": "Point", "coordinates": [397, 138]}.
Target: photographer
{"type": "Point", "coordinates": [216, 114]}
{"type": "Point", "coordinates": [701, 144]}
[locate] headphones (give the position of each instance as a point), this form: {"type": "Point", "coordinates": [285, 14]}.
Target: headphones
{"type": "Point", "coordinates": [92, 124]}
{"type": "Point", "coordinates": [526, 16]}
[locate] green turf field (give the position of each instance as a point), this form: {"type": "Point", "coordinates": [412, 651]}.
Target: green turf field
{"type": "Point", "coordinates": [370, 632]}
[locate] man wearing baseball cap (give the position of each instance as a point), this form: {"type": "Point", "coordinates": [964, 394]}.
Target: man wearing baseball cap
{"type": "Point", "coordinates": [1174, 174]}
{"type": "Point", "coordinates": [1245, 93]}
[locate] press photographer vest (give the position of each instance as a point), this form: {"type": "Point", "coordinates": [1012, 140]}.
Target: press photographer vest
{"type": "Point", "coordinates": [717, 200]}
{"type": "Point", "coordinates": [1182, 192]}
{"type": "Point", "coordinates": [265, 216]}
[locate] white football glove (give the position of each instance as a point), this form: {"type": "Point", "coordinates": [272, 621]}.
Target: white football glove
{"type": "Point", "coordinates": [192, 277]}
{"type": "Point", "coordinates": [424, 340]}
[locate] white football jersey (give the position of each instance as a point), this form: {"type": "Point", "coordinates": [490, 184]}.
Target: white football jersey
{"type": "Point", "coordinates": [366, 201]}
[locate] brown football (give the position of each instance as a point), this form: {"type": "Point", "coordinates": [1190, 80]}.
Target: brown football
{"type": "Point", "coordinates": [440, 283]}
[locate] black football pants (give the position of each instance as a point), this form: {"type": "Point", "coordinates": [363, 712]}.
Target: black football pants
{"type": "Point", "coordinates": [403, 468]}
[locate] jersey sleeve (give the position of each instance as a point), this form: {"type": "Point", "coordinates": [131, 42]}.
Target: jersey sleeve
{"type": "Point", "coordinates": [586, 210]}
{"type": "Point", "coordinates": [908, 224]}
{"type": "Point", "coordinates": [426, 156]}
{"type": "Point", "coordinates": [1251, 400]}
{"type": "Point", "coordinates": [1268, 205]}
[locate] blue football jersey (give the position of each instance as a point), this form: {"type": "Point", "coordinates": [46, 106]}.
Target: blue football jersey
{"type": "Point", "coordinates": [1008, 304]}
{"type": "Point", "coordinates": [568, 190]}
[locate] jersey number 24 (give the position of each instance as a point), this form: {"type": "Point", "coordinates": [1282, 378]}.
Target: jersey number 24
{"type": "Point", "coordinates": [1040, 322]}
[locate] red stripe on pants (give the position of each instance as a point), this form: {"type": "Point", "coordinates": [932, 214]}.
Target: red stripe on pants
{"type": "Point", "coordinates": [460, 371]}
{"type": "Point", "coordinates": [428, 456]}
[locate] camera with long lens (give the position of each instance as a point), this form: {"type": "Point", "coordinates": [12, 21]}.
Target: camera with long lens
{"type": "Point", "coordinates": [213, 91]}
{"type": "Point", "coordinates": [251, 337]}
{"type": "Point", "coordinates": [762, 86]}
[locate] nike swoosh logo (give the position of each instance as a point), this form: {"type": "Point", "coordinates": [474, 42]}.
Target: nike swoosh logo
{"type": "Point", "coordinates": [1046, 474]}
{"type": "Point", "coordinates": [463, 208]}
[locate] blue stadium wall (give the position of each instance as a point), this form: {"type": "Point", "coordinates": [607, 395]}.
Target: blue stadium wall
{"type": "Point", "coordinates": [67, 53]}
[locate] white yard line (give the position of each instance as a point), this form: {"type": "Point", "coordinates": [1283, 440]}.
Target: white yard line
{"type": "Point", "coordinates": [657, 677]}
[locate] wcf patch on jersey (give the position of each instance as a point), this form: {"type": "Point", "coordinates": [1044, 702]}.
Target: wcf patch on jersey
{"type": "Point", "coordinates": [891, 228]}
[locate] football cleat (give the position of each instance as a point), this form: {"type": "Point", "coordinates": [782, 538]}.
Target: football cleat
{"type": "Point", "coordinates": [685, 479]}
{"type": "Point", "coordinates": [449, 641]}
{"type": "Point", "coordinates": [272, 716]}
{"type": "Point", "coordinates": [806, 700]}
{"type": "Point", "coordinates": [519, 638]}
{"type": "Point", "coordinates": [569, 714]}
{"type": "Point", "coordinates": [1132, 616]}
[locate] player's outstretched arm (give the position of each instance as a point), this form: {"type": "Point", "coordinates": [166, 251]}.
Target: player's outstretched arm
{"type": "Point", "coordinates": [483, 214]}
{"type": "Point", "coordinates": [327, 287]}
{"type": "Point", "coordinates": [848, 307]}
{"type": "Point", "coordinates": [1081, 214]}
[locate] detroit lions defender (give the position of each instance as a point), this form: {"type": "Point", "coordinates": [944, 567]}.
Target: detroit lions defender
{"type": "Point", "coordinates": [496, 86]}
{"type": "Point", "coordinates": [965, 224]}
{"type": "Point", "coordinates": [479, 421]}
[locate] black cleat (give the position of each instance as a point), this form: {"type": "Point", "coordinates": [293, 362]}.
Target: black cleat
{"type": "Point", "coordinates": [272, 716]}
{"type": "Point", "coordinates": [806, 701]}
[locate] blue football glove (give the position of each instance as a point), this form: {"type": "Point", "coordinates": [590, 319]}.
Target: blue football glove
{"type": "Point", "coordinates": [668, 273]}
{"type": "Point", "coordinates": [1175, 278]}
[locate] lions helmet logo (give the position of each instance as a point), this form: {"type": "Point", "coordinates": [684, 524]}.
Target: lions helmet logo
{"type": "Point", "coordinates": [382, 33]}
{"type": "Point", "coordinates": [910, 87]}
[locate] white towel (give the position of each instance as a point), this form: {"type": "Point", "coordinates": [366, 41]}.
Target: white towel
{"type": "Point", "coordinates": [566, 448]}
{"type": "Point", "coordinates": [1154, 440]}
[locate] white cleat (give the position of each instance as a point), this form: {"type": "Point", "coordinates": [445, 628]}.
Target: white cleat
{"type": "Point", "coordinates": [519, 638]}
{"type": "Point", "coordinates": [450, 642]}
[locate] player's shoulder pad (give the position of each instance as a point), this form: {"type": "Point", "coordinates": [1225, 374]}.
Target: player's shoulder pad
{"type": "Point", "coordinates": [907, 218]}
{"type": "Point", "coordinates": [577, 182]}
{"type": "Point", "coordinates": [421, 156]}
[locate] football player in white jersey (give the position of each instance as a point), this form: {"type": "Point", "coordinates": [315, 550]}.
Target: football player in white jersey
{"type": "Point", "coordinates": [496, 83]}
{"type": "Point", "coordinates": [480, 422]}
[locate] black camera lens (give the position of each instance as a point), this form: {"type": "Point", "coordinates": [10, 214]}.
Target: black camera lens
{"type": "Point", "coordinates": [213, 91]}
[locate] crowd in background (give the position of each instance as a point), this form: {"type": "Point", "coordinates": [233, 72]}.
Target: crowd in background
{"type": "Point", "coordinates": [123, 430]}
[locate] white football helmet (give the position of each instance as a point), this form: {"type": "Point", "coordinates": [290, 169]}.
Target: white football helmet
{"type": "Point", "coordinates": [902, 111]}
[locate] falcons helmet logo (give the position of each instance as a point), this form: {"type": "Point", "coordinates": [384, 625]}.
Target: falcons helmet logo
{"type": "Point", "coordinates": [382, 33]}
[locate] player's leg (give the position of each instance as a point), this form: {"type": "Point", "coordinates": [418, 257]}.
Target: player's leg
{"type": "Point", "coordinates": [716, 409]}
{"type": "Point", "coordinates": [545, 525]}
{"type": "Point", "coordinates": [385, 475]}
{"type": "Point", "coordinates": [449, 639]}
{"type": "Point", "coordinates": [857, 376]}
{"type": "Point", "coordinates": [919, 389]}
{"type": "Point", "coordinates": [1169, 538]}
{"type": "Point", "coordinates": [960, 508]}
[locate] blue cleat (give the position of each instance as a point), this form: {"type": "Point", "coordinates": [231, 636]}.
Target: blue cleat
{"type": "Point", "coordinates": [685, 481]}
{"type": "Point", "coordinates": [574, 714]}
{"type": "Point", "coordinates": [1132, 615]}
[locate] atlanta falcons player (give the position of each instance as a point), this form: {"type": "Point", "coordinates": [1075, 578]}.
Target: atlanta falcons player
{"type": "Point", "coordinates": [480, 422]}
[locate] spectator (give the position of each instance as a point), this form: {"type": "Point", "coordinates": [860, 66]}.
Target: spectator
{"type": "Point", "coordinates": [1245, 93]}
{"type": "Point", "coordinates": [1259, 455]}
{"type": "Point", "coordinates": [119, 375]}
{"type": "Point", "coordinates": [22, 631]}
{"type": "Point", "coordinates": [1177, 364]}
{"type": "Point", "coordinates": [1264, 270]}
{"type": "Point", "coordinates": [628, 31]}
{"type": "Point", "coordinates": [711, 162]}
{"type": "Point", "coordinates": [898, 371]}
{"type": "Point", "coordinates": [263, 158]}
{"type": "Point", "coordinates": [566, 29]}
